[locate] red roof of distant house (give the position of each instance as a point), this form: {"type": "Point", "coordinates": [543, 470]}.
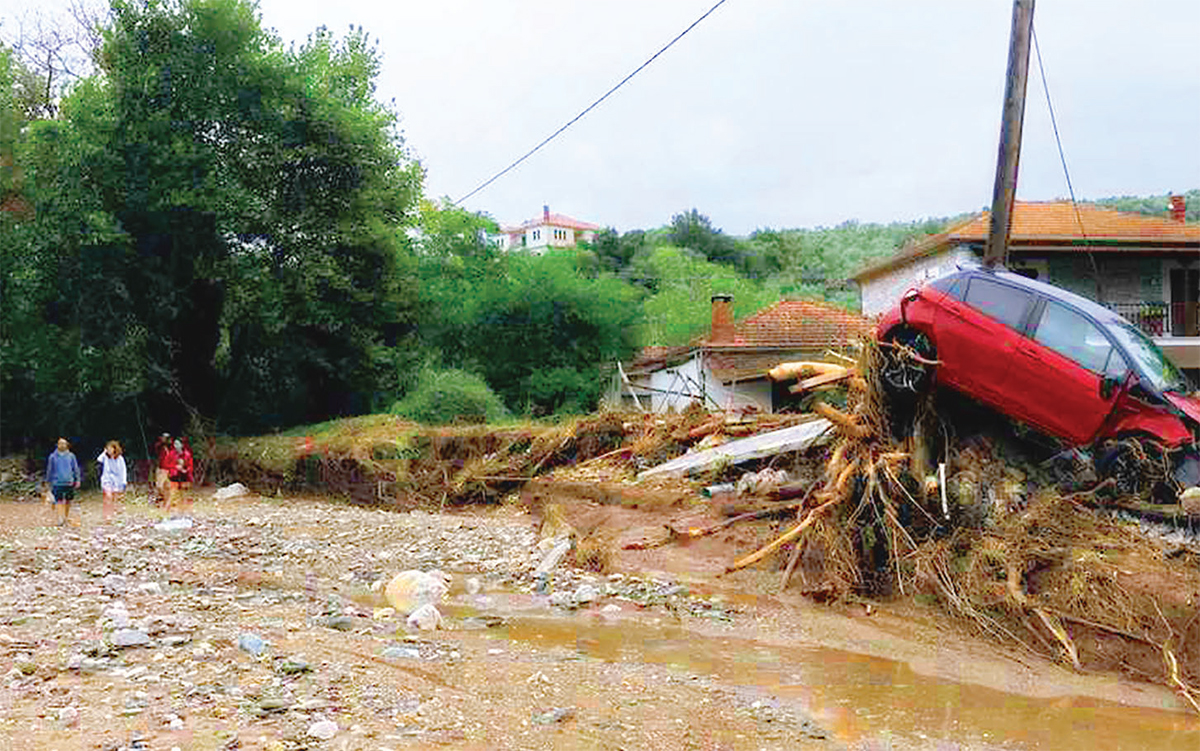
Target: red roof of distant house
{"type": "Point", "coordinates": [1063, 223]}
{"type": "Point", "coordinates": [554, 220]}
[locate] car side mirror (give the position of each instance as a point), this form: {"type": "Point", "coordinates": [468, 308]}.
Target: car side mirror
{"type": "Point", "coordinates": [908, 297]}
{"type": "Point", "coordinates": [1108, 387]}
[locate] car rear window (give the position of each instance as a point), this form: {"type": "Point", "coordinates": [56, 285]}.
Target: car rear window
{"type": "Point", "coordinates": [1070, 334]}
{"type": "Point", "coordinates": [1006, 304]}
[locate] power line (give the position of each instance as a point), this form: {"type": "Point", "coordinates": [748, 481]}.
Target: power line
{"type": "Point", "coordinates": [1054, 124]}
{"type": "Point", "coordinates": [1063, 158]}
{"type": "Point", "coordinates": [591, 106]}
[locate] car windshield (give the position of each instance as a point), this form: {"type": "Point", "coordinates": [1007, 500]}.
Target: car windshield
{"type": "Point", "coordinates": [1148, 359]}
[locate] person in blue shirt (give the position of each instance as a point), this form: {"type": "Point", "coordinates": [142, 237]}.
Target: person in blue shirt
{"type": "Point", "coordinates": [62, 475]}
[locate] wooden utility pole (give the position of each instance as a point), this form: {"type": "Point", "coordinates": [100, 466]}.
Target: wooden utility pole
{"type": "Point", "coordinates": [1005, 190]}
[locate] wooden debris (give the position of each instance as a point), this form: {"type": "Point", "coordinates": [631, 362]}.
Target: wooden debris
{"type": "Point", "coordinates": [848, 424]}
{"type": "Point", "coordinates": [788, 370]}
{"type": "Point", "coordinates": [786, 537]}
{"type": "Point", "coordinates": [825, 379]}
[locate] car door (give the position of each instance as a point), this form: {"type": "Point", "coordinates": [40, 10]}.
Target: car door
{"type": "Point", "coordinates": [977, 336]}
{"type": "Point", "coordinates": [1054, 379]}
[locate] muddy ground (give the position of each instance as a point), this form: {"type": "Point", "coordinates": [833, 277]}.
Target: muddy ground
{"type": "Point", "coordinates": [257, 628]}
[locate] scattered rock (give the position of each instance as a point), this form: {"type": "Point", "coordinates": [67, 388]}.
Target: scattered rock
{"type": "Point", "coordinates": [323, 730]}
{"type": "Point", "coordinates": [174, 525]}
{"type": "Point", "coordinates": [251, 643]}
{"type": "Point", "coordinates": [553, 558]}
{"type": "Point", "coordinates": [129, 637]}
{"type": "Point", "coordinates": [552, 716]}
{"type": "Point", "coordinates": [401, 653]}
{"type": "Point", "coordinates": [586, 593]}
{"type": "Point", "coordinates": [236, 490]}
{"type": "Point", "coordinates": [292, 666]}
{"type": "Point", "coordinates": [410, 590]}
{"type": "Point", "coordinates": [425, 618]}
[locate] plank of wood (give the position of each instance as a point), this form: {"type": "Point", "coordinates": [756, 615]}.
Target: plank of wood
{"type": "Point", "coordinates": [821, 380]}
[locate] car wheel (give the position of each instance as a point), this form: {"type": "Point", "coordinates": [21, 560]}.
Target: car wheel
{"type": "Point", "coordinates": [1136, 466]}
{"type": "Point", "coordinates": [907, 362]}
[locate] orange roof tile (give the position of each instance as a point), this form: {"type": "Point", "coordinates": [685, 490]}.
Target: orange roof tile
{"type": "Point", "coordinates": [1079, 226]}
{"type": "Point", "coordinates": [800, 323]}
{"type": "Point", "coordinates": [554, 220]}
{"type": "Point", "coordinates": [797, 327]}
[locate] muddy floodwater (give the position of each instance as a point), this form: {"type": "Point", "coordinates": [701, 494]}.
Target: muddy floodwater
{"type": "Point", "coordinates": [866, 701]}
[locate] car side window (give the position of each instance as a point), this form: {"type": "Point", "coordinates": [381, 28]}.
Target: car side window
{"type": "Point", "coordinates": [1116, 367]}
{"type": "Point", "coordinates": [1006, 304]}
{"type": "Point", "coordinates": [953, 285]}
{"type": "Point", "coordinates": [1071, 335]}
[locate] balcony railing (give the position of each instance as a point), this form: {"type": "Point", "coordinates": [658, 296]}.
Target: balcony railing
{"type": "Point", "coordinates": [1157, 318]}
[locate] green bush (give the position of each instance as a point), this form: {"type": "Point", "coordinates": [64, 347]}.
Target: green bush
{"type": "Point", "coordinates": [445, 396]}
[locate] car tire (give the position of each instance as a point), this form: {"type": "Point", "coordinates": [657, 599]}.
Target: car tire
{"type": "Point", "coordinates": [902, 376]}
{"type": "Point", "coordinates": [1135, 465]}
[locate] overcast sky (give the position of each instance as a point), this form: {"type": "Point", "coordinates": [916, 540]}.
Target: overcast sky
{"type": "Point", "coordinates": [775, 113]}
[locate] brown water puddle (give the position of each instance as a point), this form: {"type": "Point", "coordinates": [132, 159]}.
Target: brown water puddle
{"type": "Point", "coordinates": [861, 700]}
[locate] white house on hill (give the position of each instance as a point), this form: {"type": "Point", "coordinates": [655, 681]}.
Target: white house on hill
{"type": "Point", "coordinates": [547, 231]}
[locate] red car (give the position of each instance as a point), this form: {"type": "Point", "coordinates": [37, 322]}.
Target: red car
{"type": "Point", "coordinates": [1055, 361]}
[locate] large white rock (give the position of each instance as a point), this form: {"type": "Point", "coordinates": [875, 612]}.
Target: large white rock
{"type": "Point", "coordinates": [409, 590]}
{"type": "Point", "coordinates": [236, 490]}
{"type": "Point", "coordinates": [426, 618]}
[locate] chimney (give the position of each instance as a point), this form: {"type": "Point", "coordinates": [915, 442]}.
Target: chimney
{"type": "Point", "coordinates": [546, 213]}
{"type": "Point", "coordinates": [1178, 208]}
{"type": "Point", "coordinates": [722, 320]}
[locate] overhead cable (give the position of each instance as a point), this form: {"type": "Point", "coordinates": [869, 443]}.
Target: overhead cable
{"type": "Point", "coordinates": [591, 106]}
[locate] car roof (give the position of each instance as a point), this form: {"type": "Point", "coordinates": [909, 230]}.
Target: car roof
{"type": "Point", "coordinates": [1090, 307]}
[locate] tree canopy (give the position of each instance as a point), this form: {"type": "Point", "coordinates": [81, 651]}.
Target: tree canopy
{"type": "Point", "coordinates": [216, 231]}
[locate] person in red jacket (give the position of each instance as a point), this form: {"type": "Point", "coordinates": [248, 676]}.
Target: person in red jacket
{"type": "Point", "coordinates": [179, 472]}
{"type": "Point", "coordinates": [162, 470]}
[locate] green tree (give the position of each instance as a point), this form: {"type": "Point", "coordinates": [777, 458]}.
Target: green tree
{"type": "Point", "coordinates": [684, 283]}
{"type": "Point", "coordinates": [695, 231]}
{"type": "Point", "coordinates": [540, 329]}
{"type": "Point", "coordinates": [218, 230]}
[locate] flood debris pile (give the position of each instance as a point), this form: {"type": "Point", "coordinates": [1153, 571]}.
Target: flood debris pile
{"type": "Point", "coordinates": [380, 459]}
{"type": "Point", "coordinates": [383, 460]}
{"type": "Point", "coordinates": [1020, 552]}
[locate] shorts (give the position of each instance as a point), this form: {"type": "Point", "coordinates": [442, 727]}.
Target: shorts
{"type": "Point", "coordinates": [63, 493]}
{"type": "Point", "coordinates": [112, 485]}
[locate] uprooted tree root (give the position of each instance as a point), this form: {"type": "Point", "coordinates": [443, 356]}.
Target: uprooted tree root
{"type": "Point", "coordinates": [1052, 575]}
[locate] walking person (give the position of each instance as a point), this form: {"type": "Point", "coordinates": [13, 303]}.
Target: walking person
{"type": "Point", "coordinates": [62, 475]}
{"type": "Point", "coordinates": [161, 473]}
{"type": "Point", "coordinates": [113, 475]}
{"type": "Point", "coordinates": [179, 462]}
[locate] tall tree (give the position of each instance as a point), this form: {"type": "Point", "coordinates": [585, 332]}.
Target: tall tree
{"type": "Point", "coordinates": [218, 227]}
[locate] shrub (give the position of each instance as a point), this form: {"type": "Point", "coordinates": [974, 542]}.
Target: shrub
{"type": "Point", "coordinates": [445, 396]}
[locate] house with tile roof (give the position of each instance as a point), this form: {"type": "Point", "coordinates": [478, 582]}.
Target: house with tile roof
{"type": "Point", "coordinates": [727, 369]}
{"type": "Point", "coordinates": [546, 231]}
{"type": "Point", "coordinates": [1146, 268]}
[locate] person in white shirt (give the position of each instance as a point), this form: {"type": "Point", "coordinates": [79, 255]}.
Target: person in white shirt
{"type": "Point", "coordinates": [113, 477]}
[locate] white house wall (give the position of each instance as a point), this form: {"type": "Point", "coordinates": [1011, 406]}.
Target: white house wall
{"type": "Point", "coordinates": [676, 387]}
{"type": "Point", "coordinates": [882, 292]}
